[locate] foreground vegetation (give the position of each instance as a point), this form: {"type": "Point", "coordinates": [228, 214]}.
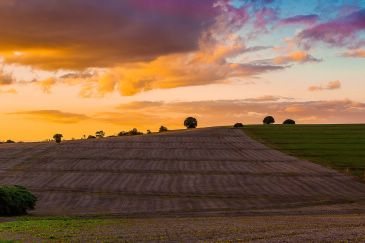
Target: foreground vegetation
{"type": "Point", "coordinates": [222, 229]}
{"type": "Point", "coordinates": [15, 200]}
{"type": "Point", "coordinates": [341, 147]}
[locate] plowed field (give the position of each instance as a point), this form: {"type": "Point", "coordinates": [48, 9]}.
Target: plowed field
{"type": "Point", "coordinates": [210, 171]}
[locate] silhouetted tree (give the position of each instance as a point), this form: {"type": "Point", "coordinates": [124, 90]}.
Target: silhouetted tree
{"type": "Point", "coordinates": [163, 129]}
{"type": "Point", "coordinates": [100, 134]}
{"type": "Point", "coordinates": [269, 120]}
{"type": "Point", "coordinates": [58, 137]}
{"type": "Point", "coordinates": [149, 132]}
{"type": "Point", "coordinates": [238, 125]}
{"type": "Point", "coordinates": [190, 122]}
{"type": "Point", "coordinates": [289, 122]}
{"type": "Point", "coordinates": [9, 141]}
{"type": "Point", "coordinates": [134, 132]}
{"type": "Point", "coordinates": [122, 133]}
{"type": "Point", "coordinates": [91, 137]}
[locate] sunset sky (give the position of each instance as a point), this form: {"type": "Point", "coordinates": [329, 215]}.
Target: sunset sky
{"type": "Point", "coordinates": [78, 66]}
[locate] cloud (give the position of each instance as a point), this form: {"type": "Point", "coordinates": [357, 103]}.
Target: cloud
{"type": "Point", "coordinates": [355, 53]}
{"type": "Point", "coordinates": [220, 112]}
{"type": "Point", "coordinates": [338, 32]}
{"type": "Point", "coordinates": [53, 116]}
{"type": "Point", "coordinates": [297, 56]}
{"type": "Point", "coordinates": [137, 45]}
{"type": "Point", "coordinates": [5, 78]}
{"type": "Point", "coordinates": [333, 85]}
{"type": "Point", "coordinates": [47, 84]}
{"type": "Point", "coordinates": [292, 57]}
{"type": "Point", "coordinates": [46, 34]}
{"type": "Point", "coordinates": [309, 19]}
{"type": "Point", "coordinates": [8, 91]}
{"type": "Point", "coordinates": [267, 98]}
{"type": "Point", "coordinates": [177, 71]}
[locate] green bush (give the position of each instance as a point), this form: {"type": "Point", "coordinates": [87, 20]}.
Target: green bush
{"type": "Point", "coordinates": [15, 200]}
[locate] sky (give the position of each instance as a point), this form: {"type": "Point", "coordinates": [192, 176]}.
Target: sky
{"type": "Point", "coordinates": [79, 66]}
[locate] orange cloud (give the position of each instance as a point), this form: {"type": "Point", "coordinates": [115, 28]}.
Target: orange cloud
{"type": "Point", "coordinates": [5, 78]}
{"type": "Point", "coordinates": [267, 98]}
{"type": "Point", "coordinates": [297, 56]}
{"type": "Point", "coordinates": [53, 116]}
{"type": "Point", "coordinates": [132, 52]}
{"type": "Point", "coordinates": [355, 53]}
{"type": "Point", "coordinates": [47, 84]}
{"type": "Point", "coordinates": [8, 91]}
{"type": "Point", "coordinates": [229, 111]}
{"type": "Point", "coordinates": [209, 64]}
{"type": "Point", "coordinates": [330, 86]}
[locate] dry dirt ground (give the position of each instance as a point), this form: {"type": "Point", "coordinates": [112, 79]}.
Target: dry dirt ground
{"type": "Point", "coordinates": [199, 172]}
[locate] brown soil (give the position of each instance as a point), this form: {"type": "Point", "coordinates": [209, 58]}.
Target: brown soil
{"type": "Point", "coordinates": [211, 171]}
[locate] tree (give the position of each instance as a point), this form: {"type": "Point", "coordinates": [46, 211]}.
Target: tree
{"type": "Point", "coordinates": [149, 132]}
{"type": "Point", "coordinates": [9, 141]}
{"type": "Point", "coordinates": [100, 134]}
{"type": "Point", "coordinates": [190, 122]}
{"type": "Point", "coordinates": [91, 137]}
{"type": "Point", "coordinates": [289, 122]}
{"type": "Point", "coordinates": [269, 120]}
{"type": "Point", "coordinates": [15, 200]}
{"type": "Point", "coordinates": [238, 125]}
{"type": "Point", "coordinates": [58, 137]}
{"type": "Point", "coordinates": [163, 129]}
{"type": "Point", "coordinates": [122, 133]}
{"type": "Point", "coordinates": [134, 132]}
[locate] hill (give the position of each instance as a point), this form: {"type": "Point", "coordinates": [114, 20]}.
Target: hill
{"type": "Point", "coordinates": [210, 171]}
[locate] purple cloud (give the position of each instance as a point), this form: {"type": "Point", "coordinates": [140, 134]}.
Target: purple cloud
{"type": "Point", "coordinates": [300, 19]}
{"type": "Point", "coordinates": [339, 32]}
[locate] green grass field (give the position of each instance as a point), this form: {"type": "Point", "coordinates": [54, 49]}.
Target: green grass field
{"type": "Point", "coordinates": [341, 147]}
{"type": "Point", "coordinates": [195, 229]}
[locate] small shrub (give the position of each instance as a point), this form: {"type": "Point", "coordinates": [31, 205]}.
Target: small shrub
{"type": "Point", "coordinates": [269, 120]}
{"type": "Point", "coordinates": [15, 200]}
{"type": "Point", "coordinates": [149, 132]}
{"type": "Point", "coordinates": [58, 137]}
{"type": "Point", "coordinates": [91, 137]}
{"type": "Point", "coordinates": [163, 129]}
{"type": "Point", "coordinates": [289, 122]}
{"type": "Point", "coordinates": [9, 141]}
{"type": "Point", "coordinates": [190, 122]}
{"type": "Point", "coordinates": [238, 125]}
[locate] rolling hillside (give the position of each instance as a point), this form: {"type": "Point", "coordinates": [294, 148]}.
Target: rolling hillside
{"type": "Point", "coordinates": [210, 171]}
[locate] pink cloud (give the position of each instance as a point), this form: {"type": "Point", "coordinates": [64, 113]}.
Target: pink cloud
{"type": "Point", "coordinates": [330, 86]}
